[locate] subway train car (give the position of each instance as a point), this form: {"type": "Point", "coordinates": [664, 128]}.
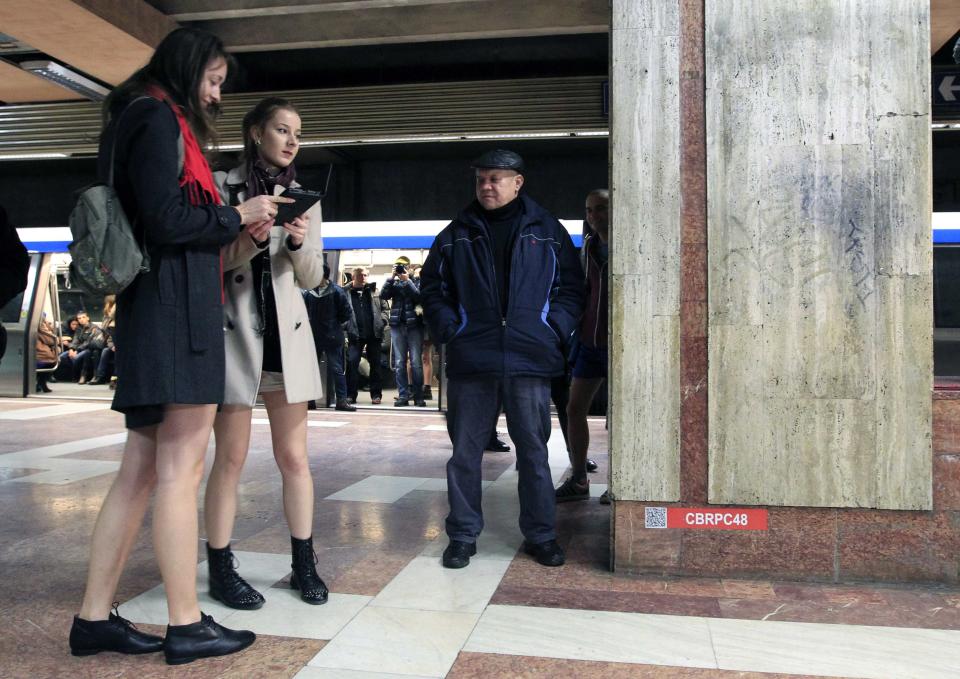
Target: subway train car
{"type": "Point", "coordinates": [51, 296]}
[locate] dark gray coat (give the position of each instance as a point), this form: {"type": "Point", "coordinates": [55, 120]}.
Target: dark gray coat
{"type": "Point", "coordinates": [170, 319]}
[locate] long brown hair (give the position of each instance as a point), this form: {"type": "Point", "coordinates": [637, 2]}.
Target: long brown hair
{"type": "Point", "coordinates": [178, 65]}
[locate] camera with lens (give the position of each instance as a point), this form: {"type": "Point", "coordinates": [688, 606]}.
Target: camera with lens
{"type": "Point", "coordinates": [399, 269]}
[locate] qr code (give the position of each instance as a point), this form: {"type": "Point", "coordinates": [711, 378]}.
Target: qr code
{"type": "Point", "coordinates": [655, 517]}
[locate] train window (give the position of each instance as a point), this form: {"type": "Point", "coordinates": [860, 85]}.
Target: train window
{"type": "Point", "coordinates": [946, 287]}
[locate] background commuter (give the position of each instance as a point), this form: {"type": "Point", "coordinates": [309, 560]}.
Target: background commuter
{"type": "Point", "coordinates": [371, 315]}
{"type": "Point", "coordinates": [406, 333]}
{"type": "Point", "coordinates": [426, 354]}
{"type": "Point", "coordinates": [14, 265]}
{"type": "Point", "coordinates": [270, 353]}
{"type": "Point", "coordinates": [46, 350]}
{"type": "Point", "coordinates": [105, 362]}
{"type": "Point", "coordinates": [170, 391]}
{"type": "Point", "coordinates": [590, 366]}
{"type": "Point", "coordinates": [506, 327]}
{"type": "Point", "coordinates": [86, 344]}
{"type": "Point", "coordinates": [329, 310]}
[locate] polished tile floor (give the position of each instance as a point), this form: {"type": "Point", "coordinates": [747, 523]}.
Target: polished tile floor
{"type": "Point", "coordinates": [394, 611]}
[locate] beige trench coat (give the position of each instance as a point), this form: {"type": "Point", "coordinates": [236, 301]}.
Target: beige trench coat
{"type": "Point", "coordinates": [291, 270]}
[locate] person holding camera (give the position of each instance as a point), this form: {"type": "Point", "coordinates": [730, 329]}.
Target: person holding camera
{"type": "Point", "coordinates": [370, 312]}
{"type": "Point", "coordinates": [406, 333]}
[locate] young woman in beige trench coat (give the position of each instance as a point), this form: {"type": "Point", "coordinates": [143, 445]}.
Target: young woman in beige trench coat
{"type": "Point", "coordinates": [270, 352]}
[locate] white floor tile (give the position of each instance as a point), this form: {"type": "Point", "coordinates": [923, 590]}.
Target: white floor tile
{"type": "Point", "coordinates": [285, 615]}
{"type": "Point", "coordinates": [597, 489]}
{"type": "Point", "coordinates": [466, 590]}
{"type": "Point", "coordinates": [593, 635]}
{"type": "Point", "coordinates": [23, 458]}
{"type": "Point", "coordinates": [835, 650]}
{"type": "Point", "coordinates": [423, 643]}
{"type": "Point", "coordinates": [440, 485]}
{"type": "Point", "coordinates": [385, 489]}
{"type": "Point", "coordinates": [324, 673]}
{"type": "Point", "coordinates": [60, 471]}
{"type": "Point", "coordinates": [434, 427]}
{"type": "Point", "coordinates": [52, 411]}
{"type": "Point", "coordinates": [259, 569]}
{"type": "Point", "coordinates": [310, 423]}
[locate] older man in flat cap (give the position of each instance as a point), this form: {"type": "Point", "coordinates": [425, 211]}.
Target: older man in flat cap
{"type": "Point", "coordinates": [502, 288]}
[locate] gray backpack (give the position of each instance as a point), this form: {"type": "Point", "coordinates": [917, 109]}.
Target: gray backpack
{"type": "Point", "coordinates": [106, 256]}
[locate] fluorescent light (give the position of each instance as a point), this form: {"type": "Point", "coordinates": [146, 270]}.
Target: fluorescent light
{"type": "Point", "coordinates": [32, 156]}
{"type": "Point", "coordinates": [63, 76]}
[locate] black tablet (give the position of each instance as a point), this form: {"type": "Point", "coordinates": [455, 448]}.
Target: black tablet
{"type": "Point", "coordinates": [287, 212]}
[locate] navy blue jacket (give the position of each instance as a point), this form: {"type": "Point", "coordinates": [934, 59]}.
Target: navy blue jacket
{"type": "Point", "coordinates": [462, 305]}
{"type": "Point", "coordinates": [405, 296]}
{"type": "Point", "coordinates": [328, 308]}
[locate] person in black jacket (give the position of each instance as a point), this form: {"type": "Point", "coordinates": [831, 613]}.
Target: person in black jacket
{"type": "Point", "coordinates": [502, 288]}
{"type": "Point", "coordinates": [370, 313]}
{"type": "Point", "coordinates": [406, 333]}
{"type": "Point", "coordinates": [329, 309]}
{"type": "Point", "coordinates": [170, 333]}
{"type": "Point", "coordinates": [14, 264]}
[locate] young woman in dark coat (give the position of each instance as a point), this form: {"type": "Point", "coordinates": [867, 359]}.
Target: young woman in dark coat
{"type": "Point", "coordinates": [158, 122]}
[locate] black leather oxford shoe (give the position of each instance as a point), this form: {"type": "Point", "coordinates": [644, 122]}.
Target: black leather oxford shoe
{"type": "Point", "coordinates": [204, 639]}
{"type": "Point", "coordinates": [458, 553]}
{"type": "Point", "coordinates": [546, 553]}
{"type": "Point", "coordinates": [88, 637]}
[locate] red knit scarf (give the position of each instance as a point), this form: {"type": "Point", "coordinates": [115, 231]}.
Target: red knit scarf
{"type": "Point", "coordinates": [196, 177]}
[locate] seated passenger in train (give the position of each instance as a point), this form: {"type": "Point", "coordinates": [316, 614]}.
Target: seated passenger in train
{"type": "Point", "coordinates": [46, 349]}
{"type": "Point", "coordinates": [270, 353]}
{"type": "Point", "coordinates": [105, 364]}
{"type": "Point", "coordinates": [330, 311]}
{"type": "Point", "coordinates": [88, 340]}
{"type": "Point", "coordinates": [406, 333]}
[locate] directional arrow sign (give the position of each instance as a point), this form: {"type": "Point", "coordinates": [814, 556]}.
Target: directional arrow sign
{"type": "Point", "coordinates": [946, 94]}
{"type": "Point", "coordinates": [947, 89]}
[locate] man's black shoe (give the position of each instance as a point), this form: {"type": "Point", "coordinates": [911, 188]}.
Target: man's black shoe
{"type": "Point", "coordinates": [204, 639]}
{"type": "Point", "coordinates": [496, 445]}
{"type": "Point", "coordinates": [344, 404]}
{"type": "Point", "coordinates": [457, 554]}
{"type": "Point", "coordinates": [546, 553]}
{"type": "Point", "coordinates": [420, 404]}
{"type": "Point", "coordinates": [88, 637]}
{"type": "Point", "coordinates": [592, 466]}
{"type": "Point", "coordinates": [401, 402]}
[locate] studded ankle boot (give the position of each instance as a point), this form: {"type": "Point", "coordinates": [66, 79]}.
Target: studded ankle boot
{"type": "Point", "coordinates": [305, 577]}
{"type": "Point", "coordinates": [226, 585]}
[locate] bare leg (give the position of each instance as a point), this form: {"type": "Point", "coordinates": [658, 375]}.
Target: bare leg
{"type": "Point", "coordinates": [427, 357]}
{"type": "Point", "coordinates": [582, 391]}
{"type": "Point", "coordinates": [182, 440]}
{"type": "Point", "coordinates": [232, 432]}
{"type": "Point", "coordinates": [119, 522]}
{"type": "Point", "coordinates": [288, 431]}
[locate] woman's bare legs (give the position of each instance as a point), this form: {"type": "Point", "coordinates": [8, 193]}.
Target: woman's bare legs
{"type": "Point", "coordinates": [232, 431]}
{"type": "Point", "coordinates": [119, 522]}
{"type": "Point", "coordinates": [182, 440]}
{"type": "Point", "coordinates": [288, 431]}
{"type": "Point", "coordinates": [582, 391]}
{"type": "Point", "coordinates": [427, 358]}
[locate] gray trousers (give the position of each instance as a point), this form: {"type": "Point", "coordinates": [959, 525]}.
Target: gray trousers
{"type": "Point", "coordinates": [472, 409]}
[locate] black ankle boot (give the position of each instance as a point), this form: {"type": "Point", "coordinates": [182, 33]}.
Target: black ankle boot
{"type": "Point", "coordinates": [88, 637]}
{"type": "Point", "coordinates": [204, 639]}
{"type": "Point", "coordinates": [226, 585]}
{"type": "Point", "coordinates": [305, 577]}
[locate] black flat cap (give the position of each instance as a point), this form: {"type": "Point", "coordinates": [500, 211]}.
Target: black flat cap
{"type": "Point", "coordinates": [499, 159]}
